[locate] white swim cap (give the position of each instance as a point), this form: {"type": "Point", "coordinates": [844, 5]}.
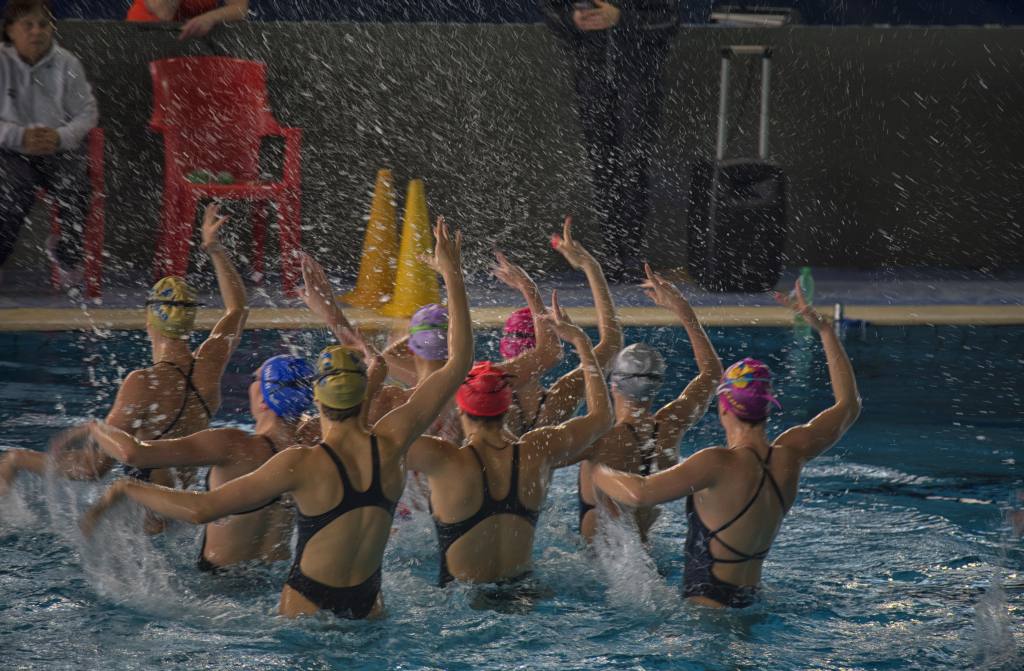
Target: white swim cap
{"type": "Point", "coordinates": [637, 372]}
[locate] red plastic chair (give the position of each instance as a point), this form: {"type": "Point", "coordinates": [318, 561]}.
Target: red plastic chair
{"type": "Point", "coordinates": [95, 220]}
{"type": "Point", "coordinates": [213, 113]}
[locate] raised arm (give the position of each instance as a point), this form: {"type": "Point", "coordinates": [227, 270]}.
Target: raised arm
{"type": "Point", "coordinates": [811, 439]}
{"type": "Point", "coordinates": [227, 333]}
{"type": "Point", "coordinates": [318, 296]}
{"type": "Point", "coordinates": [691, 405]}
{"type": "Point", "coordinates": [546, 354]}
{"type": "Point", "coordinates": [408, 421]}
{"type": "Point", "coordinates": [696, 473]}
{"type": "Point", "coordinates": [277, 476]}
{"type": "Point", "coordinates": [401, 365]}
{"type": "Point", "coordinates": [563, 443]}
{"type": "Point", "coordinates": [211, 447]}
{"type": "Point", "coordinates": [566, 393]}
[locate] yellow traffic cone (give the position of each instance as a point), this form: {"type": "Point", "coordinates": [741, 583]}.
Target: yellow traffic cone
{"type": "Point", "coordinates": [416, 283]}
{"type": "Point", "coordinates": [380, 246]}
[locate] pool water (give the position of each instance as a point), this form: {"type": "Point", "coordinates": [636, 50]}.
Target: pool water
{"type": "Point", "coordinates": [896, 555]}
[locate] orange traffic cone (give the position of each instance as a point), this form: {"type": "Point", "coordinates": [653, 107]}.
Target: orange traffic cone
{"type": "Point", "coordinates": [380, 247]}
{"type": "Point", "coordinates": [416, 282]}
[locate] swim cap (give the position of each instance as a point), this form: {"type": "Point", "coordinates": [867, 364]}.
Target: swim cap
{"type": "Point", "coordinates": [637, 372]}
{"type": "Point", "coordinates": [340, 382]}
{"type": "Point", "coordinates": [746, 390]}
{"type": "Point", "coordinates": [171, 307]}
{"type": "Point", "coordinates": [519, 335]}
{"type": "Point", "coordinates": [486, 391]}
{"type": "Point", "coordinates": [428, 332]}
{"type": "Point", "coordinates": [287, 385]}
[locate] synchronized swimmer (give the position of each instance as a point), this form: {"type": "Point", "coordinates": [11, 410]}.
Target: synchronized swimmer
{"type": "Point", "coordinates": [478, 441]}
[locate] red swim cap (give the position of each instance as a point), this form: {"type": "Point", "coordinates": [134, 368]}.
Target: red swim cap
{"type": "Point", "coordinates": [486, 391]}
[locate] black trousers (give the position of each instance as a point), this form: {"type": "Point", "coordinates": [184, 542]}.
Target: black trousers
{"type": "Point", "coordinates": [619, 92]}
{"type": "Point", "coordinates": [64, 175]}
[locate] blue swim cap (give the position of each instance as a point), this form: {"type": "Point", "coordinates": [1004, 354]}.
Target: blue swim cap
{"type": "Point", "coordinates": [287, 385]}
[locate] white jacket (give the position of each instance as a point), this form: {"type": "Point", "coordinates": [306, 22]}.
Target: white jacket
{"type": "Point", "coordinates": [53, 93]}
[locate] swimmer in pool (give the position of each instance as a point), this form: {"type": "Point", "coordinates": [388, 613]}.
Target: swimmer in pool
{"type": "Point", "coordinates": [644, 442]}
{"type": "Point", "coordinates": [345, 489]}
{"type": "Point", "coordinates": [278, 396]}
{"type": "Point", "coordinates": [487, 493]}
{"type": "Point", "coordinates": [174, 397]}
{"type": "Point", "coordinates": [533, 406]}
{"type": "Point", "coordinates": [737, 495]}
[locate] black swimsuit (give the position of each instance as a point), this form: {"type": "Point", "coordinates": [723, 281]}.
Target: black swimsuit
{"type": "Point", "coordinates": [649, 465]}
{"type": "Point", "coordinates": [204, 564]}
{"type": "Point", "coordinates": [449, 532]}
{"type": "Point", "coordinates": [356, 601]}
{"type": "Point", "coordinates": [698, 577]}
{"type": "Point", "coordinates": [144, 474]}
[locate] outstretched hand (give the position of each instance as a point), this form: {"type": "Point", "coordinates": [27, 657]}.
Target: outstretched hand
{"type": "Point", "coordinates": [562, 323]}
{"type": "Point", "coordinates": [212, 222]}
{"type": "Point", "coordinates": [447, 252]}
{"type": "Point", "coordinates": [570, 248]}
{"type": "Point", "coordinates": [92, 517]}
{"type": "Point", "coordinates": [316, 290]}
{"type": "Point", "coordinates": [512, 275]}
{"type": "Point", "coordinates": [797, 302]}
{"type": "Point", "coordinates": [660, 290]}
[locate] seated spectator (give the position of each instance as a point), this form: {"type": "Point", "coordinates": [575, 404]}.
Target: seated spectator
{"type": "Point", "coordinates": [199, 16]}
{"type": "Point", "coordinates": [46, 110]}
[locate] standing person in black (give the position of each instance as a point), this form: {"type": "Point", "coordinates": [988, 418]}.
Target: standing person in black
{"type": "Point", "coordinates": [618, 50]}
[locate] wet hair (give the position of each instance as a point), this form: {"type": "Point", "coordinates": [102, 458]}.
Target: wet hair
{"type": "Point", "coordinates": [489, 421]}
{"type": "Point", "coordinates": [16, 9]}
{"type": "Point", "coordinates": [340, 414]}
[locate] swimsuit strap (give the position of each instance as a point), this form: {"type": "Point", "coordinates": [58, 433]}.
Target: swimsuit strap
{"type": "Point", "coordinates": [270, 443]}
{"type": "Point", "coordinates": [650, 457]}
{"type": "Point", "coordinates": [744, 556]}
{"type": "Point", "coordinates": [483, 474]}
{"type": "Point", "coordinates": [190, 388]}
{"type": "Point", "coordinates": [513, 481]}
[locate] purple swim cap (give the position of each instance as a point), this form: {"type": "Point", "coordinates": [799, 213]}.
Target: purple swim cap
{"type": "Point", "coordinates": [519, 335]}
{"type": "Point", "coordinates": [746, 390]}
{"type": "Point", "coordinates": [428, 332]}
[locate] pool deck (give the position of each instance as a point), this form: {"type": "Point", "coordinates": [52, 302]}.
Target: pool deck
{"type": "Point", "coordinates": [904, 297]}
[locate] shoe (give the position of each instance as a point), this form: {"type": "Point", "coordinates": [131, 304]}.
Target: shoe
{"type": "Point", "coordinates": [67, 278]}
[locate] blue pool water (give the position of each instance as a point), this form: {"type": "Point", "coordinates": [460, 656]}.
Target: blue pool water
{"type": "Point", "coordinates": [896, 555]}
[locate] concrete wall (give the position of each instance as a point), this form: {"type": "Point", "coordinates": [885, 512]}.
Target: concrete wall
{"type": "Point", "coordinates": [904, 145]}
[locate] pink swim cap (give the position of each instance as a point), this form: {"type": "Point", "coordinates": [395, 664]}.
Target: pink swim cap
{"type": "Point", "coordinates": [519, 335]}
{"type": "Point", "coordinates": [746, 390]}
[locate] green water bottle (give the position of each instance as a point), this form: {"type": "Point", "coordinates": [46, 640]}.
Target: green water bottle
{"type": "Point", "coordinates": [806, 281]}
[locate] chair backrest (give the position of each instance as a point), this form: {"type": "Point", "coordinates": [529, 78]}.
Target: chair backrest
{"type": "Point", "coordinates": [216, 109]}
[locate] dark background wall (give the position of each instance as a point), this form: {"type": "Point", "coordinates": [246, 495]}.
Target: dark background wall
{"type": "Point", "coordinates": [915, 12]}
{"type": "Point", "coordinates": [904, 146]}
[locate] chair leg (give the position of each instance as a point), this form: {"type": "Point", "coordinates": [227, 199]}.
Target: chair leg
{"type": "Point", "coordinates": [95, 231]}
{"type": "Point", "coordinates": [259, 240]}
{"type": "Point", "coordinates": [163, 246]}
{"type": "Point", "coordinates": [55, 233]}
{"type": "Point", "coordinates": [290, 235]}
{"type": "Point", "coordinates": [181, 236]}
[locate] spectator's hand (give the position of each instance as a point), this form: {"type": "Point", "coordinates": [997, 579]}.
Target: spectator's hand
{"type": "Point", "coordinates": [40, 141]}
{"type": "Point", "coordinates": [199, 26]}
{"type": "Point", "coordinates": [604, 16]}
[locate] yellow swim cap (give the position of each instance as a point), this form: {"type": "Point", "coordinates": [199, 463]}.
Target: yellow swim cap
{"type": "Point", "coordinates": [341, 378]}
{"type": "Point", "coordinates": [171, 307]}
